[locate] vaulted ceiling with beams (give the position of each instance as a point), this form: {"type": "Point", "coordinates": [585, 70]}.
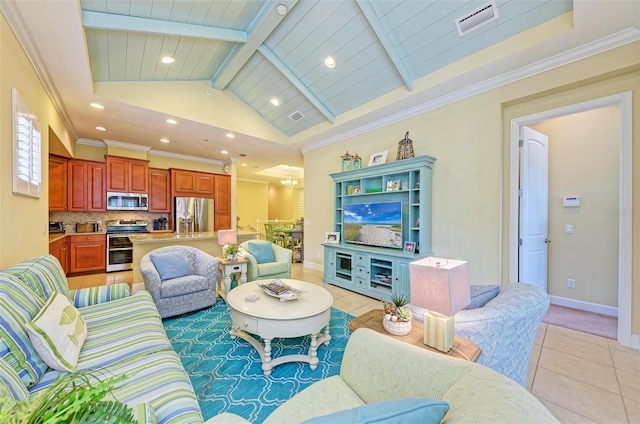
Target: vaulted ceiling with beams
{"type": "Point", "coordinates": [263, 50]}
{"type": "Point", "coordinates": [231, 58]}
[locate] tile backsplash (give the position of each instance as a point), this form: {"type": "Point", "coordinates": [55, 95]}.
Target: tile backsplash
{"type": "Point", "coordinates": [70, 218]}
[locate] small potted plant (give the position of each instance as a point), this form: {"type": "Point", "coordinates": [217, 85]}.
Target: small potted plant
{"type": "Point", "coordinates": [397, 316]}
{"type": "Point", "coordinates": [230, 251]}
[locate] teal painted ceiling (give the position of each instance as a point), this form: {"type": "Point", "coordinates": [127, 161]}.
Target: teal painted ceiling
{"type": "Point", "coordinates": [248, 48]}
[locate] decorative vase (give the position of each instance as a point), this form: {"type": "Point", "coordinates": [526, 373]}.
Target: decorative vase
{"type": "Point", "coordinates": [232, 257]}
{"type": "Point", "coordinates": [397, 328]}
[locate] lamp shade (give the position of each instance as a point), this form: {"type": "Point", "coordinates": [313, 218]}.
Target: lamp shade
{"type": "Point", "coordinates": [227, 237]}
{"type": "Point", "coordinates": [439, 285]}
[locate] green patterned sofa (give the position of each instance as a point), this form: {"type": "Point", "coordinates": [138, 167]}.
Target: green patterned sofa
{"type": "Point", "coordinates": [125, 335]}
{"type": "Point", "coordinates": [377, 368]}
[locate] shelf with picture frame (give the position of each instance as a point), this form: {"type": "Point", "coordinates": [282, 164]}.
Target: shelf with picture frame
{"type": "Point", "coordinates": [407, 181]}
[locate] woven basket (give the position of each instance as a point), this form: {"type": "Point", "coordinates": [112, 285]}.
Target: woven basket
{"type": "Point", "coordinates": [397, 328]}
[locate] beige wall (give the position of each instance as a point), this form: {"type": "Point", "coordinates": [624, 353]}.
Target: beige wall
{"type": "Point", "coordinates": [583, 161]}
{"type": "Point", "coordinates": [23, 220]}
{"type": "Point", "coordinates": [469, 138]}
{"type": "Point", "coordinates": [283, 202]}
{"type": "Point", "coordinates": [252, 203]}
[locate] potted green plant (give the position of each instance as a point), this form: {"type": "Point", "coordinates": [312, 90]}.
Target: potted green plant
{"type": "Point", "coordinates": [397, 316]}
{"type": "Point", "coordinates": [72, 398]}
{"type": "Point", "coordinates": [230, 251]}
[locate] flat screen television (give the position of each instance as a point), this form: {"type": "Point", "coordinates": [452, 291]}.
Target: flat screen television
{"type": "Point", "coordinates": [373, 224]}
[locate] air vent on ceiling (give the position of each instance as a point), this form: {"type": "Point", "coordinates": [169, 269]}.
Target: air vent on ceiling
{"type": "Point", "coordinates": [475, 19]}
{"type": "Point", "coordinates": [296, 116]}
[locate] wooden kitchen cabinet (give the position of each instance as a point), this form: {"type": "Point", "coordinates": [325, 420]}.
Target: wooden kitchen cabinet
{"type": "Point", "coordinates": [86, 186]}
{"type": "Point", "coordinates": [58, 183]}
{"type": "Point", "coordinates": [222, 204]}
{"type": "Point", "coordinates": [88, 253]}
{"type": "Point", "coordinates": [60, 249]}
{"type": "Point", "coordinates": [192, 183]}
{"type": "Point", "coordinates": [126, 175]}
{"type": "Point", "coordinates": [159, 190]}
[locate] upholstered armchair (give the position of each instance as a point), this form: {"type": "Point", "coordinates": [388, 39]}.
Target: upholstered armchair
{"type": "Point", "coordinates": [180, 279]}
{"type": "Point", "coordinates": [264, 266]}
{"type": "Point", "coordinates": [505, 328]}
{"type": "Point", "coordinates": [503, 321]}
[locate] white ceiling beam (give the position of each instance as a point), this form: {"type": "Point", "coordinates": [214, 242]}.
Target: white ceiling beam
{"type": "Point", "coordinates": [387, 44]}
{"type": "Point", "coordinates": [266, 20]}
{"type": "Point", "coordinates": [99, 20]}
{"type": "Point", "coordinates": [304, 90]}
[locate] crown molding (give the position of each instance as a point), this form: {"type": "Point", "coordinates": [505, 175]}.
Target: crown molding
{"type": "Point", "coordinates": [246, 180]}
{"type": "Point", "coordinates": [123, 145]}
{"type": "Point", "coordinates": [184, 157]}
{"type": "Point", "coordinates": [90, 142]}
{"type": "Point", "coordinates": [602, 45]}
{"type": "Point", "coordinates": [23, 35]}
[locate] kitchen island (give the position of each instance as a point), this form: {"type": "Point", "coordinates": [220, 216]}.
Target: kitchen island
{"type": "Point", "coordinates": [207, 242]}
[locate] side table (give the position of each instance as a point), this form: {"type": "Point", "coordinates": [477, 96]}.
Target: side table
{"type": "Point", "coordinates": [462, 348]}
{"type": "Point", "coordinates": [229, 267]}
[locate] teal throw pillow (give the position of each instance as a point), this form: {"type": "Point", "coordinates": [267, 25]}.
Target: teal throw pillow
{"type": "Point", "coordinates": [262, 251]}
{"type": "Point", "coordinates": [423, 411]}
{"type": "Point", "coordinates": [171, 265]}
{"type": "Point", "coordinates": [481, 295]}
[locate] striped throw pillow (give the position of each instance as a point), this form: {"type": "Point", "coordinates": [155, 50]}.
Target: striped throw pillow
{"type": "Point", "coordinates": [10, 383]}
{"type": "Point", "coordinates": [58, 333]}
{"type": "Point", "coordinates": [43, 274]}
{"type": "Point", "coordinates": [18, 305]}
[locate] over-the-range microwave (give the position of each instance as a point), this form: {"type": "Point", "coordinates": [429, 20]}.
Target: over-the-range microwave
{"type": "Point", "coordinates": [127, 201]}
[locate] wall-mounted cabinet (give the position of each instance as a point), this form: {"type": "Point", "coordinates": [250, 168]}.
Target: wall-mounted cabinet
{"type": "Point", "coordinates": [126, 175]}
{"type": "Point", "coordinates": [86, 186]}
{"type": "Point", "coordinates": [192, 183]}
{"type": "Point", "coordinates": [357, 263]}
{"type": "Point", "coordinates": [159, 190]}
{"type": "Point", "coordinates": [58, 181]}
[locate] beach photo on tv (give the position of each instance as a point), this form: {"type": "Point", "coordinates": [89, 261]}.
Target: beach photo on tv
{"type": "Point", "coordinates": [374, 224]}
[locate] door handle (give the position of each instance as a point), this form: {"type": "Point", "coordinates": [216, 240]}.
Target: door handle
{"type": "Point", "coordinates": [547, 241]}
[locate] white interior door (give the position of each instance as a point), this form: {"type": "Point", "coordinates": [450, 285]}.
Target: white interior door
{"type": "Point", "coordinates": [534, 208]}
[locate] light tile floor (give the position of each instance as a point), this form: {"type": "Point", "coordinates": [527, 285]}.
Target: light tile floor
{"type": "Point", "coordinates": [579, 377]}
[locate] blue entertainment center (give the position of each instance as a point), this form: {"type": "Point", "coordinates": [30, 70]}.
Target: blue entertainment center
{"type": "Point", "coordinates": [370, 258]}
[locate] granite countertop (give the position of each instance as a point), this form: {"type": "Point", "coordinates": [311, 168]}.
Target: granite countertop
{"type": "Point", "coordinates": [160, 237]}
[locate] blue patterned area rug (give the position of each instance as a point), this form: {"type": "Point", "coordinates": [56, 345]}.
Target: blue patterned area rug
{"type": "Point", "coordinates": [227, 375]}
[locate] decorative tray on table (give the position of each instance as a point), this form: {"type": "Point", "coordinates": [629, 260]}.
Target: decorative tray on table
{"type": "Point", "coordinates": [279, 289]}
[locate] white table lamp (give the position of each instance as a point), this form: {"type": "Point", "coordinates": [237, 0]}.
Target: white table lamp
{"type": "Point", "coordinates": [441, 286]}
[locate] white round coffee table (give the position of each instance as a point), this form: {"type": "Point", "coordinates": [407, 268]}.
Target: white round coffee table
{"type": "Point", "coordinates": [269, 318]}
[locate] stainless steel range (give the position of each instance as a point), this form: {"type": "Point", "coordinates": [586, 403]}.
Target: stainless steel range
{"type": "Point", "coordinates": [119, 247]}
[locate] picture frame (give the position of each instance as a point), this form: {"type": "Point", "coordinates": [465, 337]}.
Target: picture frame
{"type": "Point", "coordinates": [26, 139]}
{"type": "Point", "coordinates": [332, 237]}
{"type": "Point", "coordinates": [409, 248]}
{"type": "Point", "coordinates": [393, 185]}
{"type": "Point", "coordinates": [378, 158]}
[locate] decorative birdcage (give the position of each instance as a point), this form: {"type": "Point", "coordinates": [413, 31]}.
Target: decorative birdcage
{"type": "Point", "coordinates": [405, 148]}
{"type": "Point", "coordinates": [350, 162]}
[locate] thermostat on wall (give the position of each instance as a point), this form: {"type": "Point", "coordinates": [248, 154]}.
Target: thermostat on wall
{"type": "Point", "coordinates": [571, 202]}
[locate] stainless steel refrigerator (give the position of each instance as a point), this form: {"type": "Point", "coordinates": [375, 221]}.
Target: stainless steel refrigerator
{"type": "Point", "coordinates": [194, 213]}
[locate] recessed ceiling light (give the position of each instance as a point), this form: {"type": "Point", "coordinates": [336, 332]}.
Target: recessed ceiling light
{"type": "Point", "coordinates": [230, 135]}
{"type": "Point", "coordinates": [282, 9]}
{"type": "Point", "coordinates": [101, 128]}
{"type": "Point", "coordinates": [244, 164]}
{"type": "Point", "coordinates": [167, 59]}
{"type": "Point", "coordinates": [330, 62]}
{"type": "Point", "coordinates": [96, 105]}
{"type": "Point", "coordinates": [172, 121]}
{"type": "Point", "coordinates": [275, 102]}
{"type": "Point", "coordinates": [164, 140]}
{"type": "Point", "coordinates": [224, 152]}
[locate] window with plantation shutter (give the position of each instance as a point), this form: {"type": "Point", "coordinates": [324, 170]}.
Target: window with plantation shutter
{"type": "Point", "coordinates": [27, 149]}
{"type": "Point", "coordinates": [300, 203]}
